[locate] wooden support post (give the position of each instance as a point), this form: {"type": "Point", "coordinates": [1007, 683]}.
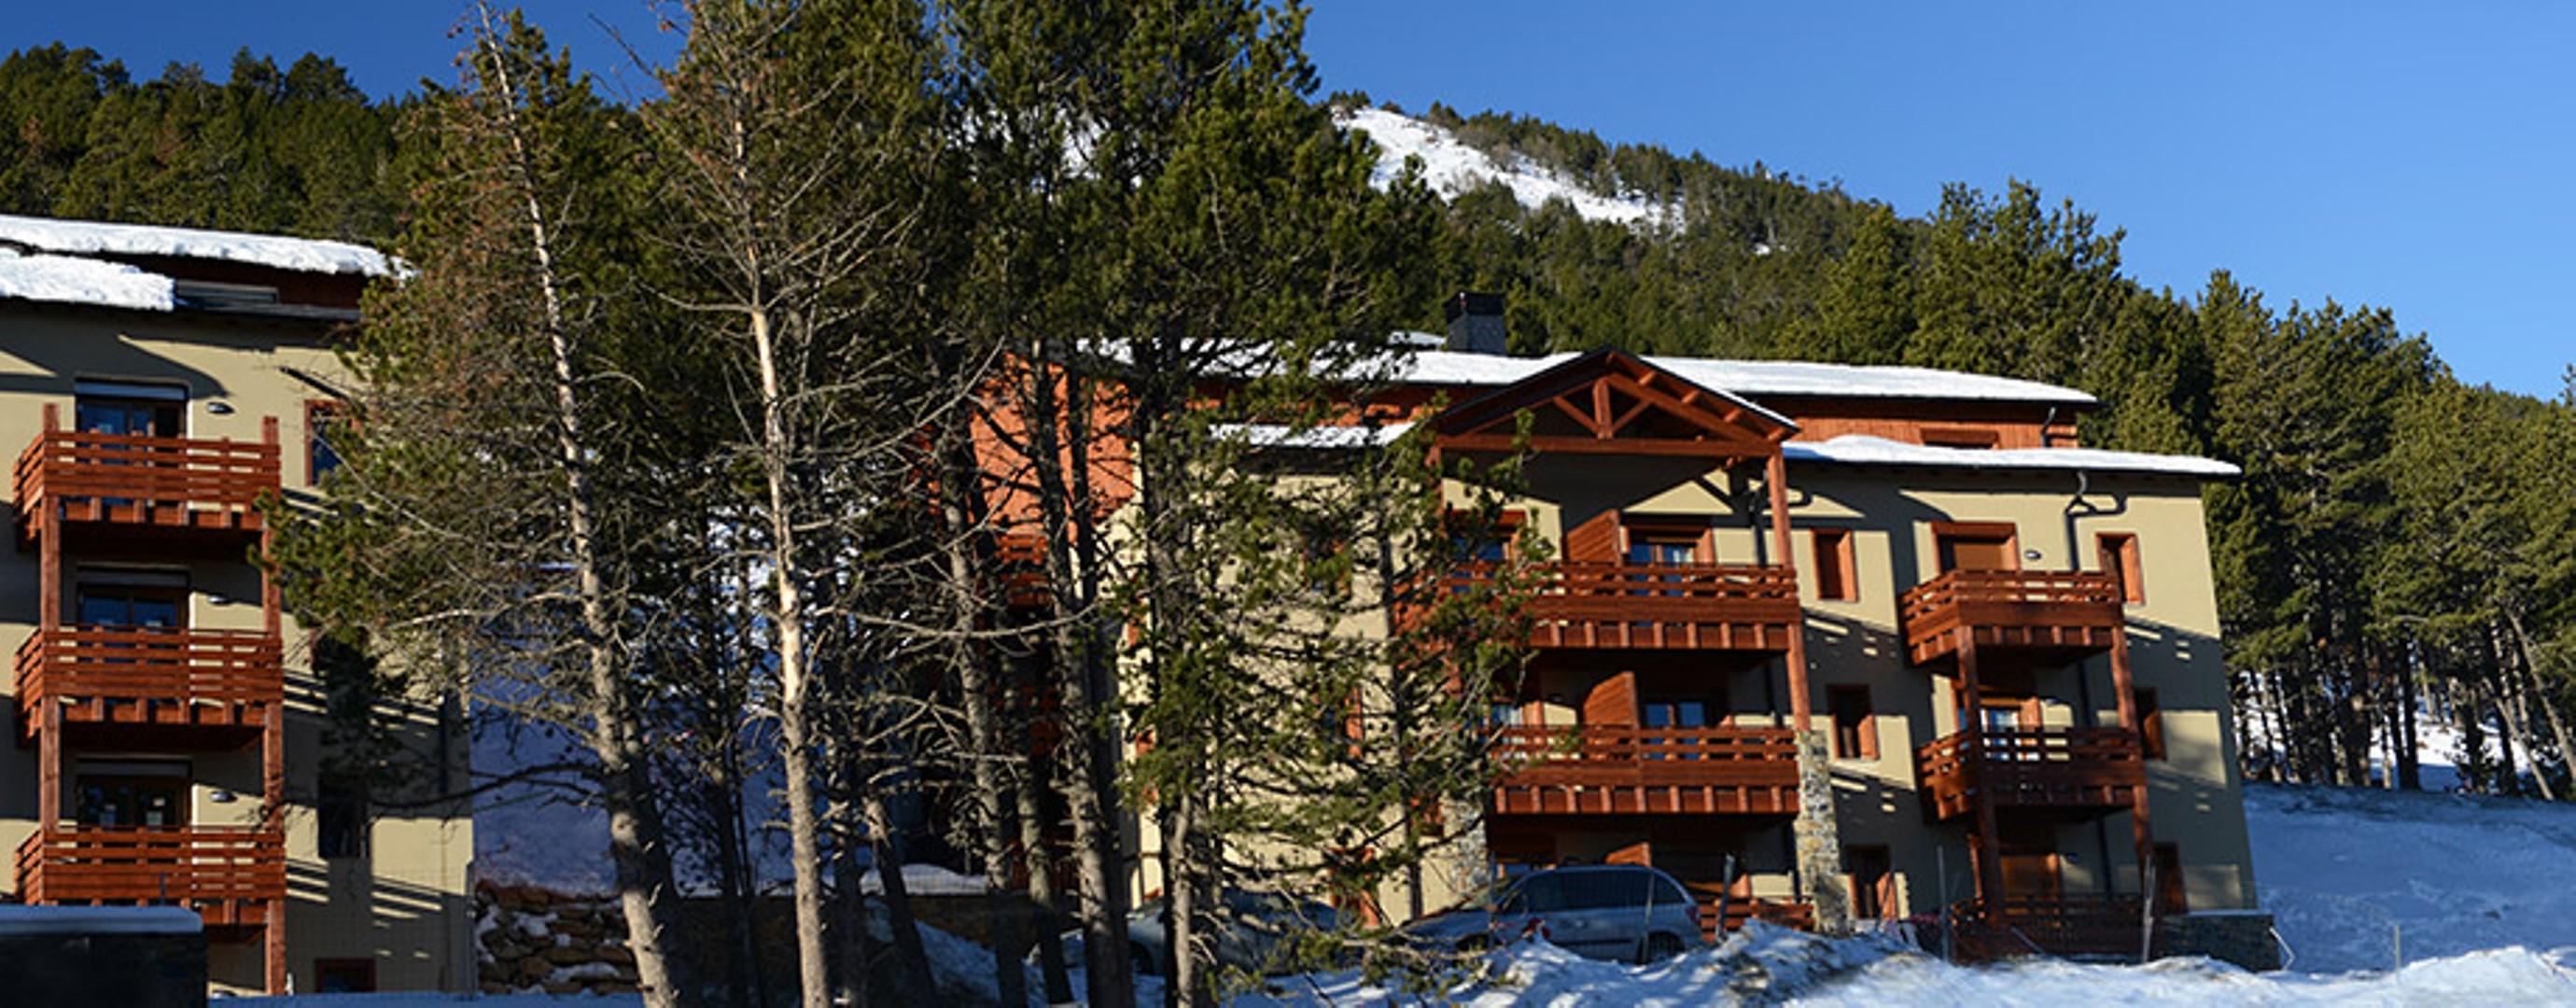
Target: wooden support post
{"type": "Point", "coordinates": [1985, 848]}
{"type": "Point", "coordinates": [2125, 683]}
{"type": "Point", "coordinates": [273, 945]}
{"type": "Point", "coordinates": [1776, 473]}
{"type": "Point", "coordinates": [49, 620]}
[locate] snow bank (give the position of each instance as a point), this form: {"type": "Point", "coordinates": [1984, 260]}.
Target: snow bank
{"type": "Point", "coordinates": [65, 280]}
{"type": "Point", "coordinates": [430, 1000]}
{"type": "Point", "coordinates": [1861, 449]}
{"type": "Point", "coordinates": [2356, 878]}
{"type": "Point", "coordinates": [1760, 964]}
{"type": "Point", "coordinates": [1450, 167]}
{"type": "Point", "coordinates": [300, 254]}
{"type": "Point", "coordinates": [2509, 976]}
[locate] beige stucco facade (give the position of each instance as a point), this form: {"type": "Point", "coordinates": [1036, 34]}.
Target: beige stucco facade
{"type": "Point", "coordinates": [404, 906]}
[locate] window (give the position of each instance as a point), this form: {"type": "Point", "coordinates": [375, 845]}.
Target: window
{"type": "Point", "coordinates": [321, 417]}
{"type": "Point", "coordinates": [1960, 437]}
{"type": "Point", "coordinates": [138, 600]}
{"type": "Point", "coordinates": [2151, 724]}
{"type": "Point", "coordinates": [344, 976]}
{"type": "Point", "coordinates": [1977, 546]}
{"type": "Point", "coordinates": [1489, 544]}
{"type": "Point", "coordinates": [113, 407]}
{"type": "Point", "coordinates": [1873, 882]}
{"type": "Point", "coordinates": [2119, 552]}
{"type": "Point", "coordinates": [1836, 579]}
{"type": "Point", "coordinates": [143, 797]}
{"type": "Point", "coordinates": [342, 810]}
{"type": "Point", "coordinates": [1855, 731]}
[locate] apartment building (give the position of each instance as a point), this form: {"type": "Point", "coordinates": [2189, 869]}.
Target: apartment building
{"type": "Point", "coordinates": [173, 744]}
{"type": "Point", "coordinates": [2003, 646]}
{"type": "Point", "coordinates": [1998, 650]}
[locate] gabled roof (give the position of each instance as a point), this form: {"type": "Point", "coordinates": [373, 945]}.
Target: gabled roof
{"type": "Point", "coordinates": [1433, 366]}
{"type": "Point", "coordinates": [302, 255]}
{"type": "Point", "coordinates": [1611, 402]}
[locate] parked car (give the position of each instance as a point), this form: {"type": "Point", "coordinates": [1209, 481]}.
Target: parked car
{"type": "Point", "coordinates": [1252, 933]}
{"type": "Point", "coordinates": [1625, 912]}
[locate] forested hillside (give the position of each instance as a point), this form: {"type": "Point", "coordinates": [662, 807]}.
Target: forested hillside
{"type": "Point", "coordinates": [2399, 540]}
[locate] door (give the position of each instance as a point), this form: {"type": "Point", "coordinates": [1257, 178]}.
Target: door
{"type": "Point", "coordinates": [123, 408]}
{"type": "Point", "coordinates": [1667, 712]}
{"type": "Point", "coordinates": [1977, 547]}
{"type": "Point", "coordinates": [152, 607]}
{"type": "Point", "coordinates": [148, 801]}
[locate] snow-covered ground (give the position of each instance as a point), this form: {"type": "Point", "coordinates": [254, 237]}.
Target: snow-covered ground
{"type": "Point", "coordinates": [1450, 167]}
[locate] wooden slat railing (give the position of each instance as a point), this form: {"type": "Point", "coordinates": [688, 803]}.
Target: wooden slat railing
{"type": "Point", "coordinates": [2036, 608]}
{"type": "Point", "coordinates": [90, 864]}
{"type": "Point", "coordinates": [150, 478]}
{"type": "Point", "coordinates": [2072, 924]}
{"type": "Point", "coordinates": [1617, 769]}
{"type": "Point", "coordinates": [2010, 588]}
{"type": "Point", "coordinates": [1621, 604]}
{"type": "Point", "coordinates": [88, 664]}
{"type": "Point", "coordinates": [2047, 767]}
{"type": "Point", "coordinates": [1739, 908]}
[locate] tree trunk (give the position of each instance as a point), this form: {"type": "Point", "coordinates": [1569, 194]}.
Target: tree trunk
{"type": "Point", "coordinates": [642, 864]}
{"type": "Point", "coordinates": [967, 661]}
{"type": "Point", "coordinates": [2410, 771]}
{"type": "Point", "coordinates": [1079, 650]}
{"type": "Point", "coordinates": [1041, 881]}
{"type": "Point", "coordinates": [912, 983]}
{"type": "Point", "coordinates": [2540, 695]}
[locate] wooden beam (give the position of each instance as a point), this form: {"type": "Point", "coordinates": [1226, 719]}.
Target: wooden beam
{"type": "Point", "coordinates": [1595, 446]}
{"type": "Point", "coordinates": [2124, 681]}
{"type": "Point", "coordinates": [1987, 848]}
{"type": "Point", "coordinates": [1801, 706]}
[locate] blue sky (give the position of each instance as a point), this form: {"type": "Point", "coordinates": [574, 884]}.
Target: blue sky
{"type": "Point", "coordinates": [2421, 157]}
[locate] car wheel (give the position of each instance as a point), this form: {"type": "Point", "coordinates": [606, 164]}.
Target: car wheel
{"type": "Point", "coordinates": [1660, 947]}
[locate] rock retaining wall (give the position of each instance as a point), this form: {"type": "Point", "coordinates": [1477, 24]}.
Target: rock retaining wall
{"type": "Point", "coordinates": [532, 940]}
{"type": "Point", "coordinates": [2241, 938]}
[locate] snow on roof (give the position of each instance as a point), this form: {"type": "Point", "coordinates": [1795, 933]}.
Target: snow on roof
{"type": "Point", "coordinates": [1329, 438]}
{"type": "Point", "coordinates": [1451, 167]}
{"type": "Point", "coordinates": [1859, 449]}
{"type": "Point", "coordinates": [94, 920]}
{"type": "Point", "coordinates": [1790, 378]}
{"type": "Point", "coordinates": [66, 280]}
{"type": "Point", "coordinates": [1758, 378]}
{"type": "Point", "coordinates": [303, 255]}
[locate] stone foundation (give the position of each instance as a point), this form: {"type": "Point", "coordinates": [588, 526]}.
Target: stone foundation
{"type": "Point", "coordinates": [2243, 938]}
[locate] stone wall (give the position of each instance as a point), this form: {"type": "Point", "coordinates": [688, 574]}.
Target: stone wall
{"type": "Point", "coordinates": [532, 940]}
{"type": "Point", "coordinates": [2242, 938]}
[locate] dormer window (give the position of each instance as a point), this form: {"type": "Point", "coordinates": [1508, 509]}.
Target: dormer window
{"type": "Point", "coordinates": [1960, 437]}
{"type": "Point", "coordinates": [210, 294]}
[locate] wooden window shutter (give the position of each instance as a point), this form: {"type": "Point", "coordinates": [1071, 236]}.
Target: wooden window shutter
{"type": "Point", "coordinates": [1595, 541]}
{"type": "Point", "coordinates": [1855, 727]}
{"type": "Point", "coordinates": [1835, 574]}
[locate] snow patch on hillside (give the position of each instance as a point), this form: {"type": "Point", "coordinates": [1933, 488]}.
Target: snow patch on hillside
{"type": "Point", "coordinates": [1451, 167]}
{"type": "Point", "coordinates": [2357, 878]}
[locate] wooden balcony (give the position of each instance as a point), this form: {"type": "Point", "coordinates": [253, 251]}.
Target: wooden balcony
{"type": "Point", "coordinates": [1615, 604]}
{"type": "Point", "coordinates": [135, 483]}
{"type": "Point", "coordinates": [144, 676]}
{"type": "Point", "coordinates": [2072, 613]}
{"type": "Point", "coordinates": [2083, 771]}
{"type": "Point", "coordinates": [228, 874]}
{"type": "Point", "coordinates": [2073, 925]}
{"type": "Point", "coordinates": [1594, 769]}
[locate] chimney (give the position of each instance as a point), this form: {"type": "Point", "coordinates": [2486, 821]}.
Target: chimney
{"type": "Point", "coordinates": [1476, 323]}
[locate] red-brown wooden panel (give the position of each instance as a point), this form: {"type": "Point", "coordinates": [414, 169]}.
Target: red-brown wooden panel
{"type": "Point", "coordinates": [1619, 769]}
{"type": "Point", "coordinates": [2058, 610]}
{"type": "Point", "coordinates": [2076, 769]}
{"type": "Point", "coordinates": [213, 868]}
{"type": "Point", "coordinates": [136, 479]}
{"type": "Point", "coordinates": [136, 675]}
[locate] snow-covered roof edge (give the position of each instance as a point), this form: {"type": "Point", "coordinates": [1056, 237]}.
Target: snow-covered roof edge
{"type": "Point", "coordinates": [1860, 449]}
{"type": "Point", "coordinates": [302, 255]}
{"type": "Point", "coordinates": [1430, 366]}
{"type": "Point", "coordinates": [69, 280]}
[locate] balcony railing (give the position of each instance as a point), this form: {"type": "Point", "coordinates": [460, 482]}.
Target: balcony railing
{"type": "Point", "coordinates": [135, 479]}
{"type": "Point", "coordinates": [2071, 610]}
{"type": "Point", "coordinates": [2068, 924]}
{"type": "Point", "coordinates": [213, 868]}
{"type": "Point", "coordinates": [1615, 604]}
{"type": "Point", "coordinates": [1620, 769]}
{"type": "Point", "coordinates": [138, 675]}
{"type": "Point", "coordinates": [2064, 768]}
